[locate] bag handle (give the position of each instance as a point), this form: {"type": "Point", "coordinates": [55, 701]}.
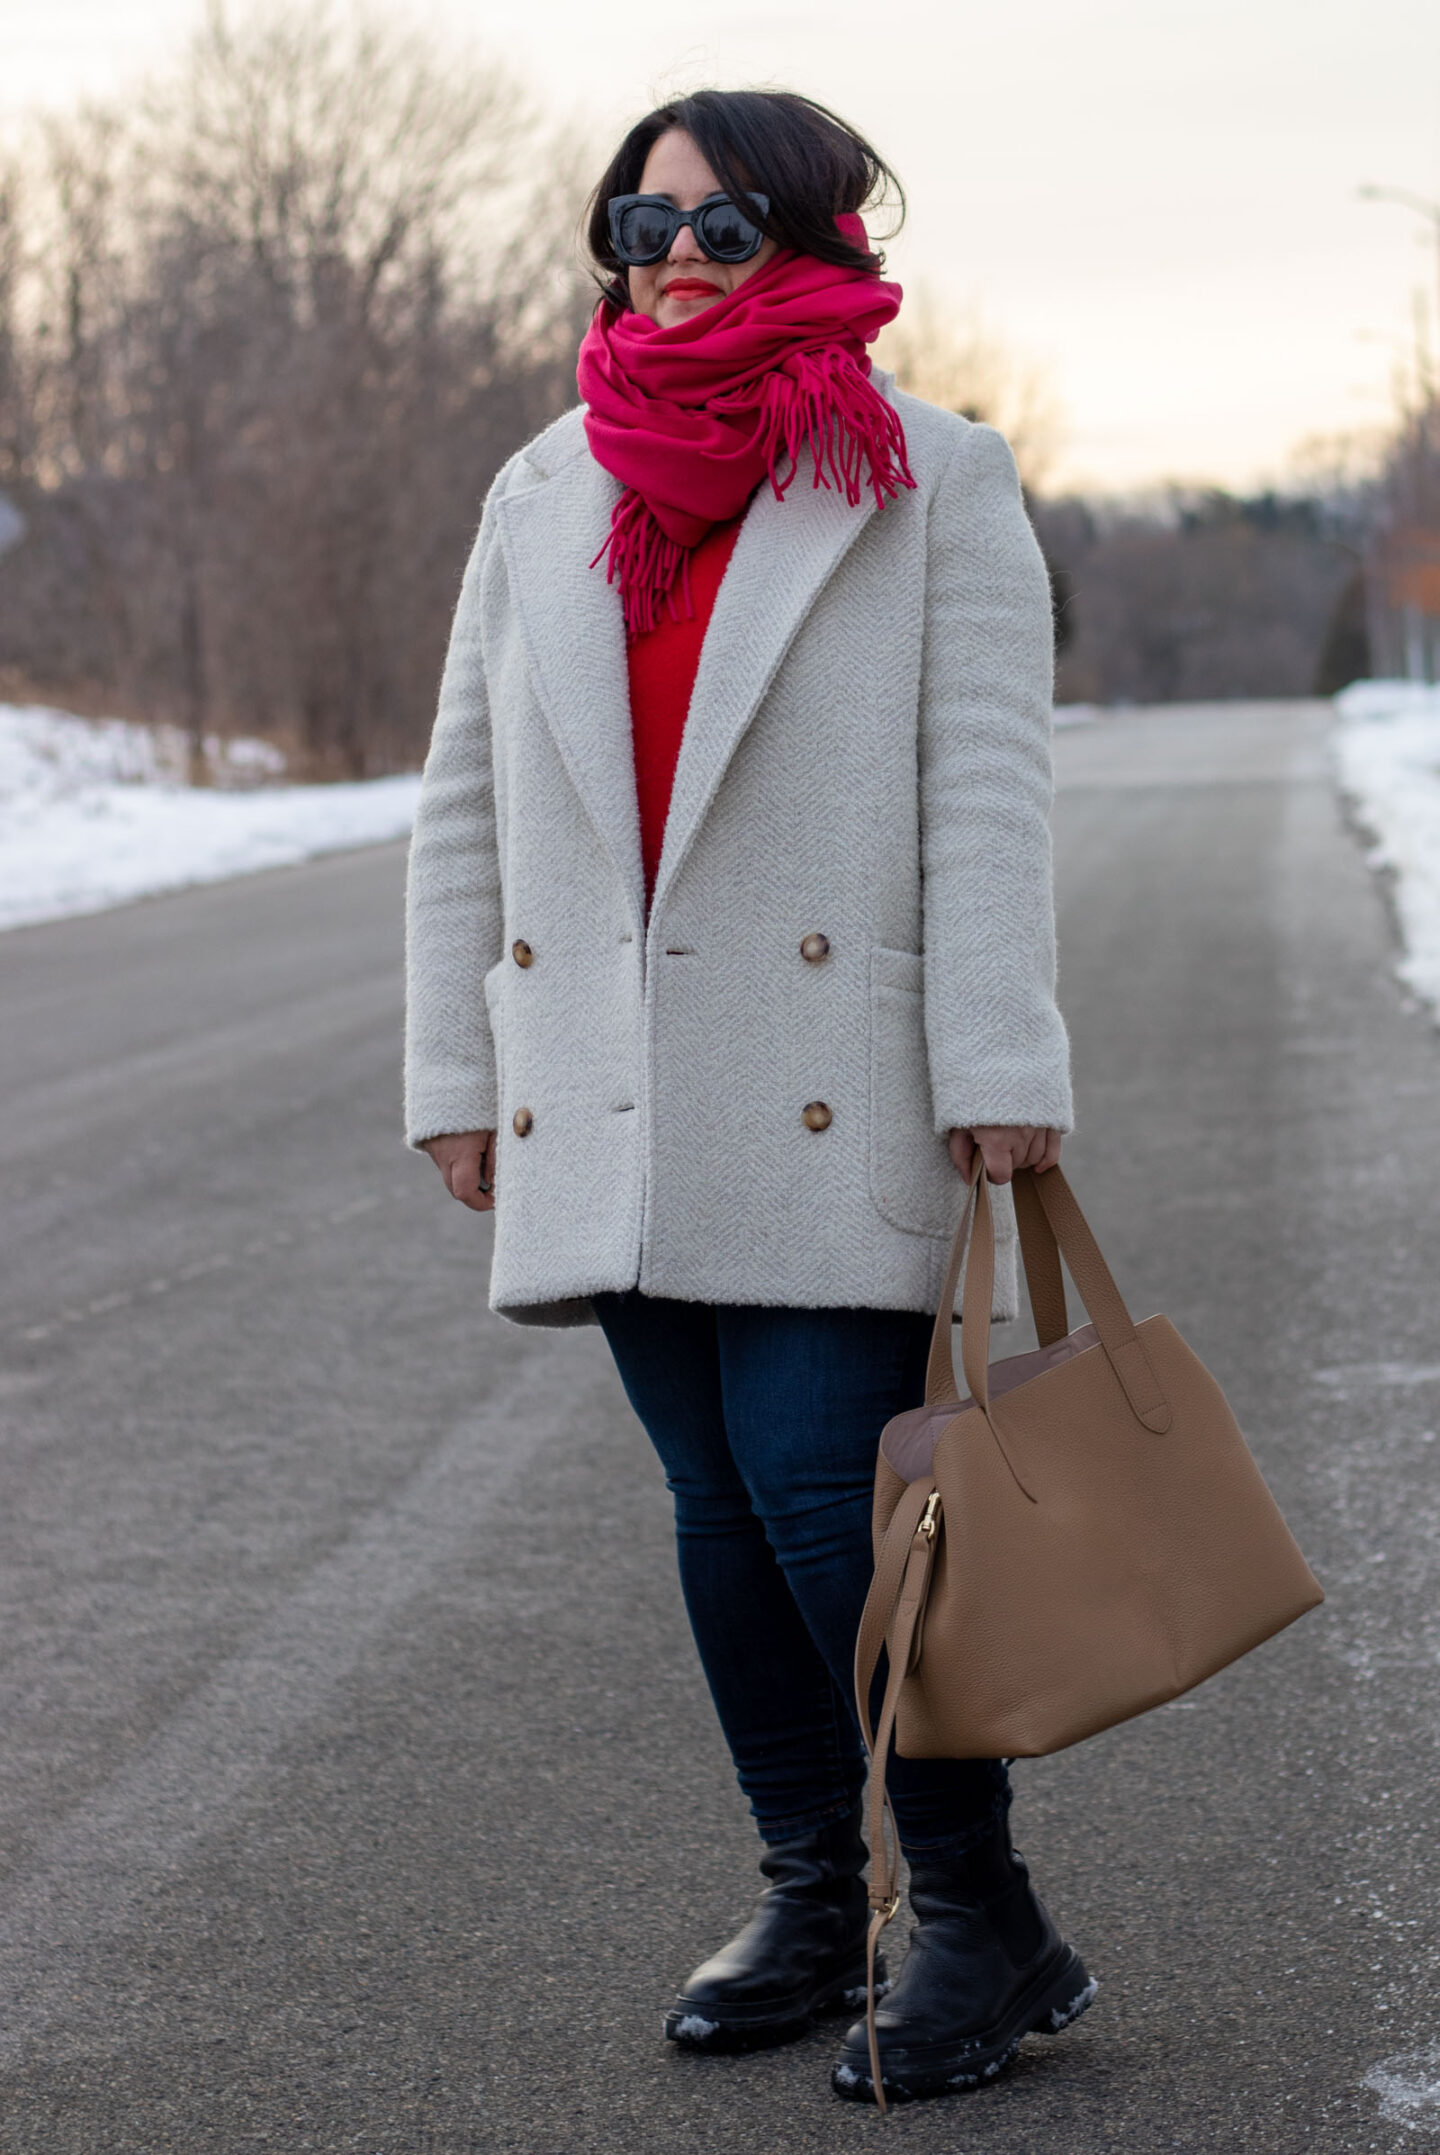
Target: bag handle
{"type": "Point", "coordinates": [1041, 1254]}
{"type": "Point", "coordinates": [893, 1617]}
{"type": "Point", "coordinates": [1067, 1226]}
{"type": "Point", "coordinates": [940, 1368]}
{"type": "Point", "coordinates": [1043, 1277]}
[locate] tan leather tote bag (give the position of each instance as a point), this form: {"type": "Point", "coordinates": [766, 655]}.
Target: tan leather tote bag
{"type": "Point", "coordinates": [1083, 1537]}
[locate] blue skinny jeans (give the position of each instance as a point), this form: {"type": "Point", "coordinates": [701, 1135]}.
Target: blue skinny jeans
{"type": "Point", "coordinates": [767, 1423]}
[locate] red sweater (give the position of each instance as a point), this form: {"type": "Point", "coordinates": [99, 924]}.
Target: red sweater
{"type": "Point", "coordinates": [663, 665]}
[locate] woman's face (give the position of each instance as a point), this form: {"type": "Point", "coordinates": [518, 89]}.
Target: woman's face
{"type": "Point", "coordinates": [686, 281]}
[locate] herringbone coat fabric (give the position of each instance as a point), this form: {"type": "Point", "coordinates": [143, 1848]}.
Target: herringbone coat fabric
{"type": "Point", "coordinates": [866, 759]}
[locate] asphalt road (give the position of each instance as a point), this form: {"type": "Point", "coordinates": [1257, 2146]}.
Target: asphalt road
{"type": "Point", "coordinates": [357, 1785]}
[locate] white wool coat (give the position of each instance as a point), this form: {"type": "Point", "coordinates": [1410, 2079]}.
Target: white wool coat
{"type": "Point", "coordinates": [866, 759]}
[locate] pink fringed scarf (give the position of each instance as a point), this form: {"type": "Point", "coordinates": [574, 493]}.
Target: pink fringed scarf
{"type": "Point", "coordinates": [690, 420]}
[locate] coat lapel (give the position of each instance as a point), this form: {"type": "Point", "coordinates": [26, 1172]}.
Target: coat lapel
{"type": "Point", "coordinates": [574, 636]}
{"type": "Point", "coordinates": [784, 554]}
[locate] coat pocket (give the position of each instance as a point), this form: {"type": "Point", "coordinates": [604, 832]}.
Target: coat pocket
{"type": "Point", "coordinates": [913, 1182]}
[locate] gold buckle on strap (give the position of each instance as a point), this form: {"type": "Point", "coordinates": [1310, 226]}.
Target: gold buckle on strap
{"type": "Point", "coordinates": [930, 1517]}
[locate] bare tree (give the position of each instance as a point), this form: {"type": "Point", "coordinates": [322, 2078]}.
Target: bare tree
{"type": "Point", "coordinates": [14, 413]}
{"type": "Point", "coordinates": [953, 360]}
{"type": "Point", "coordinates": [282, 328]}
{"type": "Point", "coordinates": [1402, 564]}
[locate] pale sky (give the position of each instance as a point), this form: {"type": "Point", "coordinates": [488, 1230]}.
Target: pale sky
{"type": "Point", "coordinates": [1153, 200]}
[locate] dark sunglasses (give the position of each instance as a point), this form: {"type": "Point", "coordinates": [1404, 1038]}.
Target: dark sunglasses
{"type": "Point", "coordinates": [643, 228]}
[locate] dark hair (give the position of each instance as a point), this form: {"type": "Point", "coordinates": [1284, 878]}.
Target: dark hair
{"type": "Point", "coordinates": [811, 164]}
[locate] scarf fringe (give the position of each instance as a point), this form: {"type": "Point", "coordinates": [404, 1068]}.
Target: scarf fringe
{"type": "Point", "coordinates": [646, 564]}
{"type": "Point", "coordinates": [820, 401]}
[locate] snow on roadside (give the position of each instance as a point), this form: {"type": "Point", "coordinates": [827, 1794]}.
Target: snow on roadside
{"type": "Point", "coordinates": [95, 813]}
{"type": "Point", "coordinates": [1387, 749]}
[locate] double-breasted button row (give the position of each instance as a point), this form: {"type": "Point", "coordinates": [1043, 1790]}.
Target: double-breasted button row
{"type": "Point", "coordinates": [815, 949]}
{"type": "Point", "coordinates": [815, 1115]}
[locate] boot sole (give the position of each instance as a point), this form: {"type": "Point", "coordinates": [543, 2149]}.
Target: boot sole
{"type": "Point", "coordinates": [696, 2027]}
{"type": "Point", "coordinates": [1057, 1996]}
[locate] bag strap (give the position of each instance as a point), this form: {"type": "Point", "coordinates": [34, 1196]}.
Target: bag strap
{"type": "Point", "coordinates": [894, 1618]}
{"type": "Point", "coordinates": [1041, 1253]}
{"type": "Point", "coordinates": [1051, 1226]}
{"type": "Point", "coordinates": [1102, 1298]}
{"type": "Point", "coordinates": [940, 1368]}
{"type": "Point", "coordinates": [1043, 1277]}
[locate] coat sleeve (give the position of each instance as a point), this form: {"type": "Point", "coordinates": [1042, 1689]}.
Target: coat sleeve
{"type": "Point", "coordinates": [453, 912]}
{"type": "Point", "coordinates": [997, 1044]}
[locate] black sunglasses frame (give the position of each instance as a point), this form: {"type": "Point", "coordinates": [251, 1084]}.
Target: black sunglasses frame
{"type": "Point", "coordinates": [618, 205]}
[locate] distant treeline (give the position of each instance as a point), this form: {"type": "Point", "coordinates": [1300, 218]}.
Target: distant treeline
{"type": "Point", "coordinates": [1206, 596]}
{"type": "Point", "coordinates": [268, 330]}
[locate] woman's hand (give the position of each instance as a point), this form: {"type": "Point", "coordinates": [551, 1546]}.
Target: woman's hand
{"type": "Point", "coordinates": [1004, 1147]}
{"type": "Point", "coordinates": [467, 1166]}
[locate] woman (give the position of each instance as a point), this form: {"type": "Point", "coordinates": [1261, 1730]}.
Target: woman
{"type": "Point", "coordinates": [731, 938]}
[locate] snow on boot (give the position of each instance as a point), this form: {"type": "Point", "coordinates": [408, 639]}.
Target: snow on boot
{"type": "Point", "coordinates": [801, 1954]}
{"type": "Point", "coordinates": [986, 1965]}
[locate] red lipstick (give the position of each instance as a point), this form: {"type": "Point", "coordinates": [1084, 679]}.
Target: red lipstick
{"type": "Point", "coordinates": [690, 288]}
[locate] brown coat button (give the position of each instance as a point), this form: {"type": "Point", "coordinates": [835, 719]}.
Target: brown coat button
{"type": "Point", "coordinates": [524, 1122]}
{"type": "Point", "coordinates": [816, 1116]}
{"type": "Point", "coordinates": [815, 948]}
{"type": "Point", "coordinates": [521, 952]}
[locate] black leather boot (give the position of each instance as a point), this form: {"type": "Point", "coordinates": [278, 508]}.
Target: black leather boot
{"type": "Point", "coordinates": [801, 1954]}
{"type": "Point", "coordinates": [986, 1965]}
